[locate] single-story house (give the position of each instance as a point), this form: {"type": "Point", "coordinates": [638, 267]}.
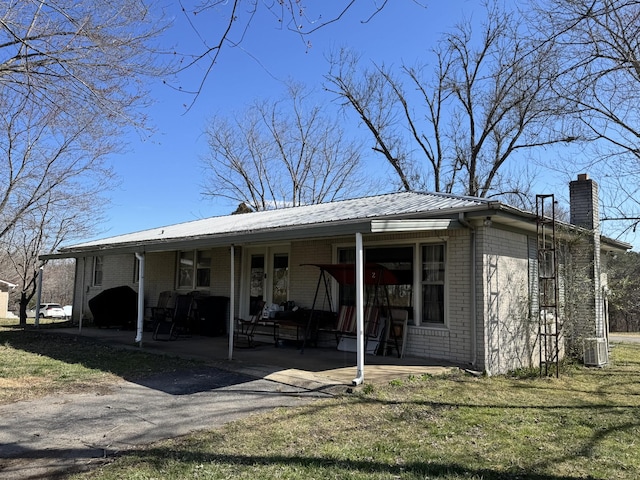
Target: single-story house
{"type": "Point", "coordinates": [472, 273]}
{"type": "Point", "coordinates": [4, 297]}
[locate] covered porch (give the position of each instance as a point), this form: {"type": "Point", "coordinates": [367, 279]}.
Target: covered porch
{"type": "Point", "coordinates": [315, 368]}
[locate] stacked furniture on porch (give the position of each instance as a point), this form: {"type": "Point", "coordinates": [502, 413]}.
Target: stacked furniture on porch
{"type": "Point", "coordinates": [176, 320]}
{"type": "Point", "coordinates": [396, 331]}
{"type": "Point", "coordinates": [186, 314]}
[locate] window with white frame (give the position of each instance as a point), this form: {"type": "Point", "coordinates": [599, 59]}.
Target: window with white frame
{"type": "Point", "coordinates": [203, 268]}
{"type": "Point", "coordinates": [433, 284]}
{"type": "Point", "coordinates": [194, 269]}
{"type": "Point", "coordinates": [97, 271]}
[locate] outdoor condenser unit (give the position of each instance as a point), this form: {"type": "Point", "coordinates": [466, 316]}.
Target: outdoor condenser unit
{"type": "Point", "coordinates": [596, 353]}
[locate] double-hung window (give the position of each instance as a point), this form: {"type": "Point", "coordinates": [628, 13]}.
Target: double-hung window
{"type": "Point", "coordinates": [433, 284]}
{"type": "Point", "coordinates": [97, 271]}
{"type": "Point", "coordinates": [194, 269]}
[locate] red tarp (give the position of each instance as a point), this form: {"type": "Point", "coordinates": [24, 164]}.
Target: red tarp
{"type": "Point", "coordinates": [345, 273]}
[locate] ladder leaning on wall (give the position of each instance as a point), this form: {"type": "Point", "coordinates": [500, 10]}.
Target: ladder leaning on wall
{"type": "Point", "coordinates": [548, 324]}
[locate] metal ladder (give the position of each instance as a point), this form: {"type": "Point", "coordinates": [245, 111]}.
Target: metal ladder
{"type": "Point", "coordinates": [548, 323]}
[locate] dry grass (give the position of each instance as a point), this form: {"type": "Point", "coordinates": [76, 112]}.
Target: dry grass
{"type": "Point", "coordinates": [35, 364]}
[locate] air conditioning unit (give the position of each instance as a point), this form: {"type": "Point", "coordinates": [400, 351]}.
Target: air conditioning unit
{"type": "Point", "coordinates": [596, 352]}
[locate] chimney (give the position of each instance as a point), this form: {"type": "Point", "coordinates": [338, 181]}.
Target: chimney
{"type": "Point", "coordinates": [583, 200]}
{"type": "Point", "coordinates": [589, 315]}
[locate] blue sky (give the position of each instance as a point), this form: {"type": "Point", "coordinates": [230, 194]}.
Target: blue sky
{"type": "Point", "coordinates": [161, 173]}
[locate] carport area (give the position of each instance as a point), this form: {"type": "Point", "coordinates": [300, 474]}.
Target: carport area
{"type": "Point", "coordinates": [315, 368]}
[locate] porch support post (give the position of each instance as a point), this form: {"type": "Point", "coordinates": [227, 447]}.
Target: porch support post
{"type": "Point", "coordinates": [359, 310]}
{"type": "Point", "coordinates": [232, 307]}
{"type": "Point", "coordinates": [140, 257]}
{"type": "Point", "coordinates": [82, 292]}
{"type": "Point", "coordinates": [36, 321]}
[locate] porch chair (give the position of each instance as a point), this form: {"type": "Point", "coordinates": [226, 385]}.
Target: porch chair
{"type": "Point", "coordinates": [163, 311]}
{"type": "Point", "coordinates": [178, 322]}
{"type": "Point", "coordinates": [246, 328]}
{"type": "Point", "coordinates": [346, 329]}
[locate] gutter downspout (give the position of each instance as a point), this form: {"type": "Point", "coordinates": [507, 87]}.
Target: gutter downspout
{"type": "Point", "coordinates": [474, 315]}
{"type": "Point", "coordinates": [359, 310]}
{"type": "Point", "coordinates": [140, 257]}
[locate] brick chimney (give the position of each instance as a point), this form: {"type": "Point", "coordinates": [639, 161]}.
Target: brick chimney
{"type": "Point", "coordinates": [583, 195]}
{"type": "Point", "coordinates": [589, 316]}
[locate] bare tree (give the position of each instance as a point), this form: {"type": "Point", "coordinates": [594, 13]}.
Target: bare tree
{"type": "Point", "coordinates": [599, 44]}
{"type": "Point", "coordinates": [280, 153]}
{"type": "Point", "coordinates": [59, 216]}
{"type": "Point", "coordinates": [71, 77]}
{"type": "Point", "coordinates": [223, 24]}
{"type": "Point", "coordinates": [487, 99]}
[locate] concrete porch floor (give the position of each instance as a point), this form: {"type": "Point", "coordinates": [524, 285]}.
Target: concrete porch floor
{"type": "Point", "coordinates": [315, 368]}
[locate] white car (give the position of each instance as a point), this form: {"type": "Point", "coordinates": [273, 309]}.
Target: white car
{"type": "Point", "coordinates": [67, 310]}
{"type": "Point", "coordinates": [51, 310]}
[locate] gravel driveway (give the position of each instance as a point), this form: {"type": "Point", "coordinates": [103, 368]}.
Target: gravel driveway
{"type": "Point", "coordinates": [47, 436]}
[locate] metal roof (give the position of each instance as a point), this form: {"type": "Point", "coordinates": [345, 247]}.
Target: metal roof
{"type": "Point", "coordinates": [344, 212]}
{"type": "Point", "coordinates": [344, 217]}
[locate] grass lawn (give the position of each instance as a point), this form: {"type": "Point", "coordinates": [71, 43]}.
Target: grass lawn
{"type": "Point", "coordinates": [584, 425]}
{"type": "Point", "coordinates": [33, 365]}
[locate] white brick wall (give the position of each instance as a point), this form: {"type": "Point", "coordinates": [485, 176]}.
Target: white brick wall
{"type": "Point", "coordinates": [452, 341]}
{"type": "Point", "coordinates": [304, 279]}
{"type": "Point", "coordinates": [510, 334]}
{"type": "Point", "coordinates": [501, 277]}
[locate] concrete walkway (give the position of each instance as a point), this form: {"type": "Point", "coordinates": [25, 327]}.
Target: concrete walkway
{"type": "Point", "coordinates": [313, 368]}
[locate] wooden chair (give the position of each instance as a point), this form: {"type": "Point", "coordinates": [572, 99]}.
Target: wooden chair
{"type": "Point", "coordinates": [396, 331]}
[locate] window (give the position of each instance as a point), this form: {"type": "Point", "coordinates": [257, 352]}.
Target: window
{"type": "Point", "coordinates": [397, 259]}
{"type": "Point", "coordinates": [433, 277]}
{"type": "Point", "coordinates": [194, 269]}
{"type": "Point", "coordinates": [185, 270]}
{"type": "Point", "coordinates": [257, 276]}
{"type": "Point", "coordinates": [97, 271]}
{"type": "Point", "coordinates": [280, 292]}
{"type": "Point", "coordinates": [203, 268]}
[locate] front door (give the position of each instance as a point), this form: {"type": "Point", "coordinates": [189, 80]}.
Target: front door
{"type": "Point", "coordinates": [266, 278]}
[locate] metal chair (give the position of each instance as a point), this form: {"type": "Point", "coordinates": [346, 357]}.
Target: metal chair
{"type": "Point", "coordinates": [247, 328]}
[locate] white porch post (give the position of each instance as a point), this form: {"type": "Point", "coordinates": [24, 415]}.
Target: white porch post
{"type": "Point", "coordinates": [140, 257]}
{"type": "Point", "coordinates": [232, 309]}
{"type": "Point", "coordinates": [36, 321]}
{"type": "Point", "coordinates": [359, 310]}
